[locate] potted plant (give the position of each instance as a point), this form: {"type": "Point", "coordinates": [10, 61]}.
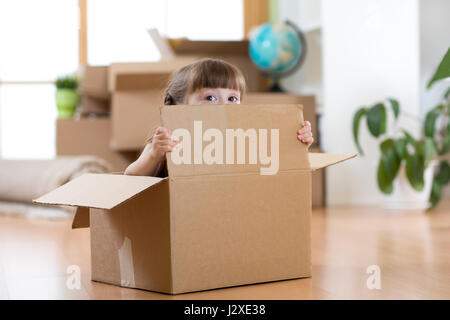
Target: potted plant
{"type": "Point", "coordinates": [437, 128]}
{"type": "Point", "coordinates": [67, 96]}
{"type": "Point", "coordinates": [402, 154]}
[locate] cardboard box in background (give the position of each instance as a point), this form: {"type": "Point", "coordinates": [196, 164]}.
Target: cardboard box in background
{"type": "Point", "coordinates": [204, 226]}
{"type": "Point", "coordinates": [94, 81]}
{"type": "Point", "coordinates": [137, 94]}
{"type": "Point", "coordinates": [235, 52]}
{"type": "Point", "coordinates": [90, 136]}
{"type": "Point", "coordinates": [93, 105]}
{"type": "Point", "coordinates": [95, 97]}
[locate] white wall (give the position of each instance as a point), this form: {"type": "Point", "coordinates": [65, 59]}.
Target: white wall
{"type": "Point", "coordinates": [434, 41]}
{"type": "Point", "coordinates": [306, 15]}
{"type": "Point", "coordinates": [370, 52]}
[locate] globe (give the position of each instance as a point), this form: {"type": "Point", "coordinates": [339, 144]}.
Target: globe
{"type": "Point", "coordinates": [277, 50]}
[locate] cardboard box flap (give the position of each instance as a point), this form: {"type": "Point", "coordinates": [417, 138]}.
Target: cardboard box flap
{"type": "Point", "coordinates": [103, 191]}
{"type": "Point", "coordinates": [162, 44]}
{"type": "Point", "coordinates": [322, 160]}
{"type": "Point", "coordinates": [184, 46]}
{"type": "Point", "coordinates": [81, 218]}
{"type": "Point", "coordinates": [270, 128]}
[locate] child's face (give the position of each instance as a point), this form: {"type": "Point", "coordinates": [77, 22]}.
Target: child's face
{"type": "Point", "coordinates": [214, 96]}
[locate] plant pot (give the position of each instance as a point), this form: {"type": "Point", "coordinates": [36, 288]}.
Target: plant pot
{"type": "Point", "coordinates": [66, 102]}
{"type": "Point", "coordinates": [404, 196]}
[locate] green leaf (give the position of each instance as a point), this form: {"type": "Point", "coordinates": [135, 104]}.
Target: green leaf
{"type": "Point", "coordinates": [425, 150]}
{"type": "Point", "coordinates": [443, 174]}
{"type": "Point", "coordinates": [429, 150]}
{"type": "Point", "coordinates": [387, 145]}
{"type": "Point", "coordinates": [356, 121]}
{"type": "Point", "coordinates": [400, 147]}
{"type": "Point", "coordinates": [415, 171]}
{"type": "Point", "coordinates": [391, 164]}
{"type": "Point", "coordinates": [430, 122]}
{"type": "Point", "coordinates": [395, 107]}
{"type": "Point", "coordinates": [409, 138]}
{"type": "Point", "coordinates": [443, 70]}
{"type": "Point", "coordinates": [384, 183]}
{"type": "Point", "coordinates": [435, 195]}
{"type": "Point", "coordinates": [388, 166]}
{"type": "Point", "coordinates": [376, 120]}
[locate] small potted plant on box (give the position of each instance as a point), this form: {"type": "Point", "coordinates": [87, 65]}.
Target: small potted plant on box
{"type": "Point", "coordinates": [67, 96]}
{"type": "Point", "coordinates": [406, 158]}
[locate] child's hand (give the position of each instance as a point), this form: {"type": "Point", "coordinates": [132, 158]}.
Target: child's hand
{"type": "Point", "coordinates": [304, 134]}
{"type": "Point", "coordinates": [162, 142]}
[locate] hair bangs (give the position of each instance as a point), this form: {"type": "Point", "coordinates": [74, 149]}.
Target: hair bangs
{"type": "Point", "coordinates": [215, 73]}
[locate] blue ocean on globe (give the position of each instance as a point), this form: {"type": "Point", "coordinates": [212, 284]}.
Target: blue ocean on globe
{"type": "Point", "coordinates": [275, 48]}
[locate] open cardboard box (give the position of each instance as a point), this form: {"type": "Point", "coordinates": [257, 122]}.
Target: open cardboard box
{"type": "Point", "coordinates": [204, 226]}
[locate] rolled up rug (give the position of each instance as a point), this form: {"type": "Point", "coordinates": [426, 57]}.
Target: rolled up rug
{"type": "Point", "coordinates": [24, 180]}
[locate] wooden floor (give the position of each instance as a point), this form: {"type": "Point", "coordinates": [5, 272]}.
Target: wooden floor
{"type": "Point", "coordinates": [412, 250]}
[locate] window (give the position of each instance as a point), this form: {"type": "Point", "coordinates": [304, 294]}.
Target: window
{"type": "Point", "coordinates": [205, 19]}
{"type": "Point", "coordinates": [27, 121]}
{"type": "Point", "coordinates": [39, 41]}
{"type": "Point", "coordinates": [117, 30]}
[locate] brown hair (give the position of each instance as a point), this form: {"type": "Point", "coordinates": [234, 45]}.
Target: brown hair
{"type": "Point", "coordinates": [205, 73]}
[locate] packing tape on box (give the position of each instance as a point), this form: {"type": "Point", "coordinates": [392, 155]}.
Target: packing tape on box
{"type": "Point", "coordinates": [126, 264]}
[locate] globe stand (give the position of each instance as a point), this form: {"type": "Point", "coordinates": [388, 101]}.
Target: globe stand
{"type": "Point", "coordinates": [276, 86]}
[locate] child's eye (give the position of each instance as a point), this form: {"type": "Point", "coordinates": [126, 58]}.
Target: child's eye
{"type": "Point", "coordinates": [211, 98]}
{"type": "Point", "coordinates": [233, 99]}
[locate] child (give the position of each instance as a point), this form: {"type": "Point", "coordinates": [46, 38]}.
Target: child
{"type": "Point", "coordinates": [207, 81]}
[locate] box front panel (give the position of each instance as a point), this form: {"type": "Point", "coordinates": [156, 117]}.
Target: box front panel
{"type": "Point", "coordinates": [239, 229]}
{"type": "Point", "coordinates": [130, 243]}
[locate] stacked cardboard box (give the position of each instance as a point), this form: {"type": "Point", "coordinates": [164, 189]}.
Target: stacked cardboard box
{"type": "Point", "coordinates": [120, 105]}
{"type": "Point", "coordinates": [95, 97]}
{"type": "Point", "coordinates": [90, 136]}
{"type": "Point", "coordinates": [235, 52]}
{"type": "Point", "coordinates": [137, 91]}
